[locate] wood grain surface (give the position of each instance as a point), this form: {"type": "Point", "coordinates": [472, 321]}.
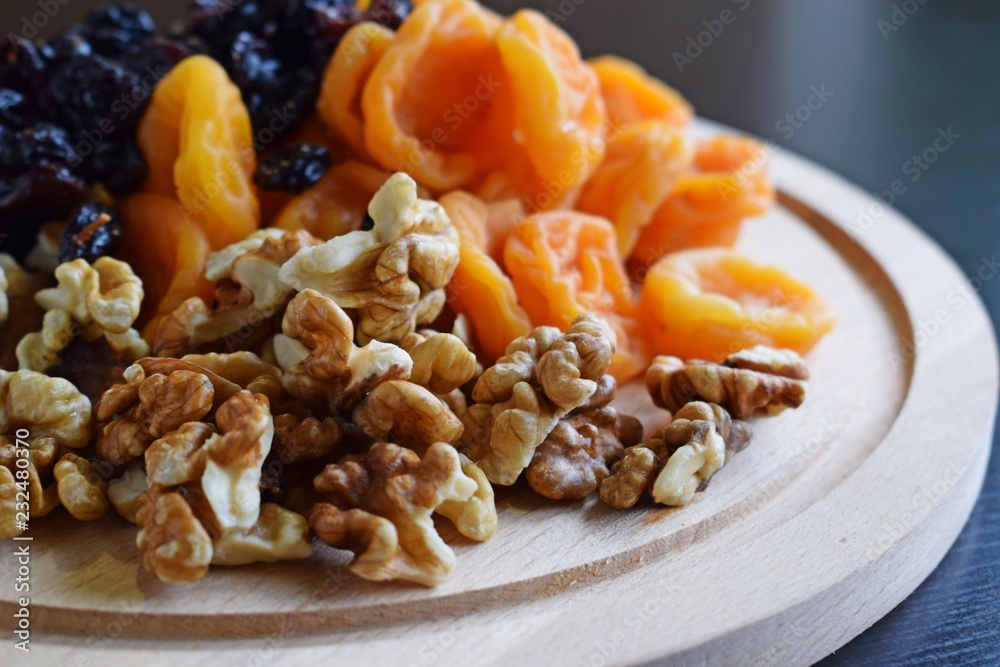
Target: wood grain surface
{"type": "Point", "coordinates": [834, 514]}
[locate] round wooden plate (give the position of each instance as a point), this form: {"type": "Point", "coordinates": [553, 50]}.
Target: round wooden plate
{"type": "Point", "coordinates": [833, 515]}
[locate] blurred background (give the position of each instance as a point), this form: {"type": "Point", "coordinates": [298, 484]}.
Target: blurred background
{"type": "Point", "coordinates": [862, 87]}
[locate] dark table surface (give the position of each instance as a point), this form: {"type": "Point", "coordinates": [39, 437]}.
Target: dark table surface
{"type": "Point", "coordinates": [893, 73]}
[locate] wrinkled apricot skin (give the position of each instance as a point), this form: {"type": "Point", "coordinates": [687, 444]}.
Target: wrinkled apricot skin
{"type": "Point", "coordinates": [709, 303]}
{"type": "Point", "coordinates": [345, 77]}
{"type": "Point", "coordinates": [560, 111]}
{"type": "Point", "coordinates": [414, 104]}
{"type": "Point", "coordinates": [502, 216]}
{"type": "Point", "coordinates": [564, 264]}
{"type": "Point", "coordinates": [198, 143]}
{"type": "Point", "coordinates": [632, 95]}
{"type": "Point", "coordinates": [479, 289]}
{"type": "Point", "coordinates": [729, 181]}
{"type": "Point", "coordinates": [640, 168]}
{"type": "Point", "coordinates": [462, 99]}
{"type": "Point", "coordinates": [337, 204]}
{"type": "Point", "coordinates": [167, 251]}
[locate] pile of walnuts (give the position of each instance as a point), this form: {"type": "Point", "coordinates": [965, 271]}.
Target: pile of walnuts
{"type": "Point", "coordinates": [311, 399]}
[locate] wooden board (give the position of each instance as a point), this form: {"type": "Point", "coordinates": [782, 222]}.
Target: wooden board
{"type": "Point", "coordinates": [833, 515]}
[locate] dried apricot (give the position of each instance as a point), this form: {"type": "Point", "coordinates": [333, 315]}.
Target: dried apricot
{"type": "Point", "coordinates": [566, 263]}
{"type": "Point", "coordinates": [729, 181]}
{"type": "Point", "coordinates": [639, 170]}
{"type": "Point", "coordinates": [439, 104]}
{"type": "Point", "coordinates": [710, 303]}
{"type": "Point", "coordinates": [502, 216]}
{"type": "Point", "coordinates": [560, 111]}
{"type": "Point", "coordinates": [479, 289]}
{"type": "Point", "coordinates": [197, 141]}
{"type": "Point", "coordinates": [167, 251]}
{"type": "Point", "coordinates": [633, 95]}
{"type": "Point", "coordinates": [345, 77]}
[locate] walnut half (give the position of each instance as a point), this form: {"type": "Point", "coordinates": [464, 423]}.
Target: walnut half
{"type": "Point", "coordinates": [679, 461]}
{"type": "Point", "coordinates": [392, 276]}
{"type": "Point", "coordinates": [541, 378]}
{"type": "Point", "coordinates": [760, 381]}
{"type": "Point", "coordinates": [379, 506]}
{"type": "Point", "coordinates": [577, 454]}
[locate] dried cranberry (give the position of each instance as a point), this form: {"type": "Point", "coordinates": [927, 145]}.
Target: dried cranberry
{"type": "Point", "coordinates": [94, 231]}
{"type": "Point", "coordinates": [115, 28]}
{"type": "Point", "coordinates": [293, 167]}
{"type": "Point", "coordinates": [92, 94]}
{"type": "Point", "coordinates": [118, 165]}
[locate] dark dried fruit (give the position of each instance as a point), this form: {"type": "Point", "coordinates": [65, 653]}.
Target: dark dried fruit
{"type": "Point", "coordinates": [389, 13]}
{"type": "Point", "coordinates": [22, 69]}
{"type": "Point", "coordinates": [92, 366]}
{"type": "Point", "coordinates": [115, 28]}
{"type": "Point", "coordinates": [293, 167]}
{"type": "Point", "coordinates": [71, 43]}
{"type": "Point", "coordinates": [368, 223]}
{"type": "Point", "coordinates": [91, 94]}
{"type": "Point", "coordinates": [39, 144]}
{"type": "Point", "coordinates": [68, 111]}
{"type": "Point", "coordinates": [94, 230]}
{"type": "Point", "coordinates": [275, 50]}
{"type": "Point", "coordinates": [13, 107]}
{"type": "Point", "coordinates": [42, 191]}
{"type": "Point", "coordinates": [156, 58]}
{"type": "Point", "coordinates": [118, 165]}
{"type": "Point", "coordinates": [253, 65]}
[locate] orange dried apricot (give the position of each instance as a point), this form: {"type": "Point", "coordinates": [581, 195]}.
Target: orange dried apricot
{"type": "Point", "coordinates": [198, 144]}
{"type": "Point", "coordinates": [729, 181]}
{"type": "Point", "coordinates": [560, 111]}
{"type": "Point", "coordinates": [566, 263]}
{"type": "Point", "coordinates": [633, 95]}
{"type": "Point", "coordinates": [345, 77]}
{"type": "Point", "coordinates": [479, 289]}
{"type": "Point", "coordinates": [502, 216]}
{"type": "Point", "coordinates": [438, 104]}
{"type": "Point", "coordinates": [167, 251]}
{"type": "Point", "coordinates": [337, 204]}
{"type": "Point", "coordinates": [709, 303]}
{"type": "Point", "coordinates": [639, 170]}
